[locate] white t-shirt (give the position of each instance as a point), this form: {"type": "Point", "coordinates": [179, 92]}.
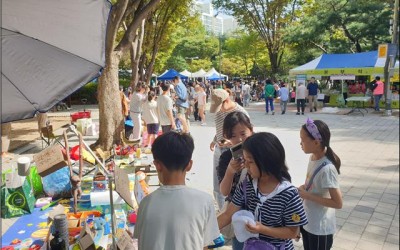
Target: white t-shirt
{"type": "Point", "coordinates": [321, 219]}
{"type": "Point", "coordinates": [246, 89]}
{"type": "Point", "coordinates": [176, 217]}
{"type": "Point", "coordinates": [137, 101]}
{"type": "Point", "coordinates": [164, 103]}
{"type": "Point", "coordinates": [150, 113]}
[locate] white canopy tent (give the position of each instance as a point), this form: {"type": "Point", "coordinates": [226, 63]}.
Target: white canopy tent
{"type": "Point", "coordinates": [186, 73]}
{"type": "Point", "coordinates": [212, 71]}
{"type": "Point", "coordinates": [200, 73]}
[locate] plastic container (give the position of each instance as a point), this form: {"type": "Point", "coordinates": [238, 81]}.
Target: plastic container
{"type": "Point", "coordinates": [80, 115]}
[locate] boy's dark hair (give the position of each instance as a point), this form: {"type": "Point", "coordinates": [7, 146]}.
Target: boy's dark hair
{"type": "Point", "coordinates": [233, 119]}
{"type": "Point", "coordinates": [377, 78]}
{"type": "Point", "coordinates": [151, 95]}
{"type": "Point", "coordinates": [268, 154]}
{"type": "Point", "coordinates": [325, 133]}
{"type": "Point", "coordinates": [174, 150]}
{"type": "Point", "coordinates": [165, 86]}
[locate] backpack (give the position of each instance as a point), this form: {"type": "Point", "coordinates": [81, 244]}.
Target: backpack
{"type": "Point", "coordinates": [373, 85]}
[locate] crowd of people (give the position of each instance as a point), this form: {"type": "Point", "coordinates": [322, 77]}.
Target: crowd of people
{"type": "Point", "coordinates": [251, 178]}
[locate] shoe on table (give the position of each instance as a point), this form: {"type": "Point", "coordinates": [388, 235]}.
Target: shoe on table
{"type": "Point", "coordinates": [315, 109]}
{"type": "Point", "coordinates": [298, 113]}
{"type": "Point", "coordinates": [203, 124]}
{"type": "Point", "coordinates": [273, 113]}
{"type": "Point", "coordinates": [283, 112]}
{"type": "Point", "coordinates": [302, 113]}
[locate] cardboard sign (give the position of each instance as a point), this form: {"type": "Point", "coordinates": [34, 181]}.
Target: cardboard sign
{"type": "Point", "coordinates": [122, 185]}
{"type": "Point", "coordinates": [49, 160]}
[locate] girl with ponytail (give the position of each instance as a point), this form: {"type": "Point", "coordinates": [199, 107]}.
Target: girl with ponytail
{"type": "Point", "coordinates": [321, 193]}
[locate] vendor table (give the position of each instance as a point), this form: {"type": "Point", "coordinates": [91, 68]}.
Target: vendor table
{"type": "Point", "coordinates": [357, 101]}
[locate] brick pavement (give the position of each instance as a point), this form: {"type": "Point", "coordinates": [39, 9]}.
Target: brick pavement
{"type": "Point", "coordinates": [369, 149]}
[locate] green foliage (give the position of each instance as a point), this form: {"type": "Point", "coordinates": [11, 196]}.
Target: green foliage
{"type": "Point", "coordinates": [176, 62]}
{"type": "Point", "coordinates": [340, 26]}
{"type": "Point", "coordinates": [88, 91]}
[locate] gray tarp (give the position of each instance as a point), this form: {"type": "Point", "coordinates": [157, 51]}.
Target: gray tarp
{"type": "Point", "coordinates": [50, 48]}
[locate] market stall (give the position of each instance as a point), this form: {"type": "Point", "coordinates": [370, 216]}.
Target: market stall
{"type": "Point", "coordinates": [356, 70]}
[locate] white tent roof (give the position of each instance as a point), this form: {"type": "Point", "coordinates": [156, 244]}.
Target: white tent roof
{"type": "Point", "coordinates": [200, 73]}
{"type": "Point", "coordinates": [186, 73]}
{"type": "Point", "coordinates": [213, 71]}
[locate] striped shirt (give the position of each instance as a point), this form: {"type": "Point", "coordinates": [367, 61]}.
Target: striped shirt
{"type": "Point", "coordinates": [283, 209]}
{"type": "Point", "coordinates": [220, 117]}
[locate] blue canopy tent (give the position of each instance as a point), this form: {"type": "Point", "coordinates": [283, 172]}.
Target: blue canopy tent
{"type": "Point", "coordinates": [170, 74]}
{"type": "Point", "coordinates": [215, 76]}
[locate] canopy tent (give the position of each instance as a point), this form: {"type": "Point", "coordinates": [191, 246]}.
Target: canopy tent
{"type": "Point", "coordinates": [214, 72]}
{"type": "Point", "coordinates": [49, 50]}
{"type": "Point", "coordinates": [365, 63]}
{"type": "Point", "coordinates": [170, 74]}
{"type": "Point", "coordinates": [215, 77]}
{"type": "Point", "coordinates": [186, 73]}
{"type": "Point", "coordinates": [200, 73]}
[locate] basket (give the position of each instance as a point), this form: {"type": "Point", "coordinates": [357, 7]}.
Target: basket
{"type": "Point", "coordinates": [80, 115]}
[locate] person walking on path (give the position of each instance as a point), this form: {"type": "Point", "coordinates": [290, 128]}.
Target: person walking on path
{"type": "Point", "coordinates": [138, 98]}
{"type": "Point", "coordinates": [182, 102]}
{"type": "Point", "coordinates": [269, 93]}
{"type": "Point", "coordinates": [150, 117]}
{"type": "Point", "coordinates": [201, 103]}
{"type": "Point", "coordinates": [321, 193]}
{"type": "Point", "coordinates": [378, 92]}
{"type": "Point", "coordinates": [222, 105]}
{"type": "Point", "coordinates": [312, 88]}
{"type": "Point", "coordinates": [246, 94]}
{"type": "Point", "coordinates": [164, 109]}
{"type": "Point", "coordinates": [301, 93]}
{"type": "Point", "coordinates": [284, 97]}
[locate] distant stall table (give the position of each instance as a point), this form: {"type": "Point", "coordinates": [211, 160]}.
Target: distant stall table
{"type": "Point", "coordinates": [358, 103]}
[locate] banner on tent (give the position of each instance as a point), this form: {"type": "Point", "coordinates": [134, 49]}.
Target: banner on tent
{"type": "Point", "coordinates": [343, 77]}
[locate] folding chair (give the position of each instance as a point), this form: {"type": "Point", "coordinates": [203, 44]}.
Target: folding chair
{"type": "Point", "coordinates": [47, 135]}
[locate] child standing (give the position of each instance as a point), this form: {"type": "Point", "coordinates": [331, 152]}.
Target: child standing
{"type": "Point", "coordinates": [230, 172]}
{"type": "Point", "coordinates": [267, 193]}
{"type": "Point", "coordinates": [201, 103]}
{"type": "Point", "coordinates": [321, 193]}
{"type": "Point", "coordinates": [150, 117]}
{"type": "Point", "coordinates": [175, 216]}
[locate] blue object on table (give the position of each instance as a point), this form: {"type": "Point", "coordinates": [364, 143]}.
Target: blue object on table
{"type": "Point", "coordinates": [129, 123]}
{"type": "Point", "coordinates": [218, 242]}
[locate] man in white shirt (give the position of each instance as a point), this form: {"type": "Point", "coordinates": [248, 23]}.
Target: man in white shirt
{"type": "Point", "coordinates": [246, 94]}
{"type": "Point", "coordinates": [301, 93]}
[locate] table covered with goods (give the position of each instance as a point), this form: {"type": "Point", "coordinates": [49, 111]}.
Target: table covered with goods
{"type": "Point", "coordinates": [69, 198]}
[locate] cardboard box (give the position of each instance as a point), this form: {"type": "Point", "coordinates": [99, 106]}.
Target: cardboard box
{"type": "Point", "coordinates": [50, 160]}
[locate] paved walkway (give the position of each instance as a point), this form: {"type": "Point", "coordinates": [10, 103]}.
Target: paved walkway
{"type": "Point", "coordinates": [369, 149]}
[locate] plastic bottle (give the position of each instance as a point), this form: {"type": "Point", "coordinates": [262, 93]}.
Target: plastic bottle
{"type": "Point", "coordinates": [138, 153]}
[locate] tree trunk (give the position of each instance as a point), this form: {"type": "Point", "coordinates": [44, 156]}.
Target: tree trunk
{"type": "Point", "coordinates": [110, 108]}
{"type": "Point", "coordinates": [136, 52]}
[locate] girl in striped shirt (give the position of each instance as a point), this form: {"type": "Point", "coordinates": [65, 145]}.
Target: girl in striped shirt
{"type": "Point", "coordinates": [267, 193]}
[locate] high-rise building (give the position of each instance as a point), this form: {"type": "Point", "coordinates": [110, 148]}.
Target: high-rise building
{"type": "Point", "coordinates": [213, 23]}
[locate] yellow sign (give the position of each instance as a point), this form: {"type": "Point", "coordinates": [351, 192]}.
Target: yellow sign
{"type": "Point", "coordinates": [382, 50]}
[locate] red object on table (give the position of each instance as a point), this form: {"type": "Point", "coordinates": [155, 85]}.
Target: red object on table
{"type": "Point", "coordinates": [80, 115]}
